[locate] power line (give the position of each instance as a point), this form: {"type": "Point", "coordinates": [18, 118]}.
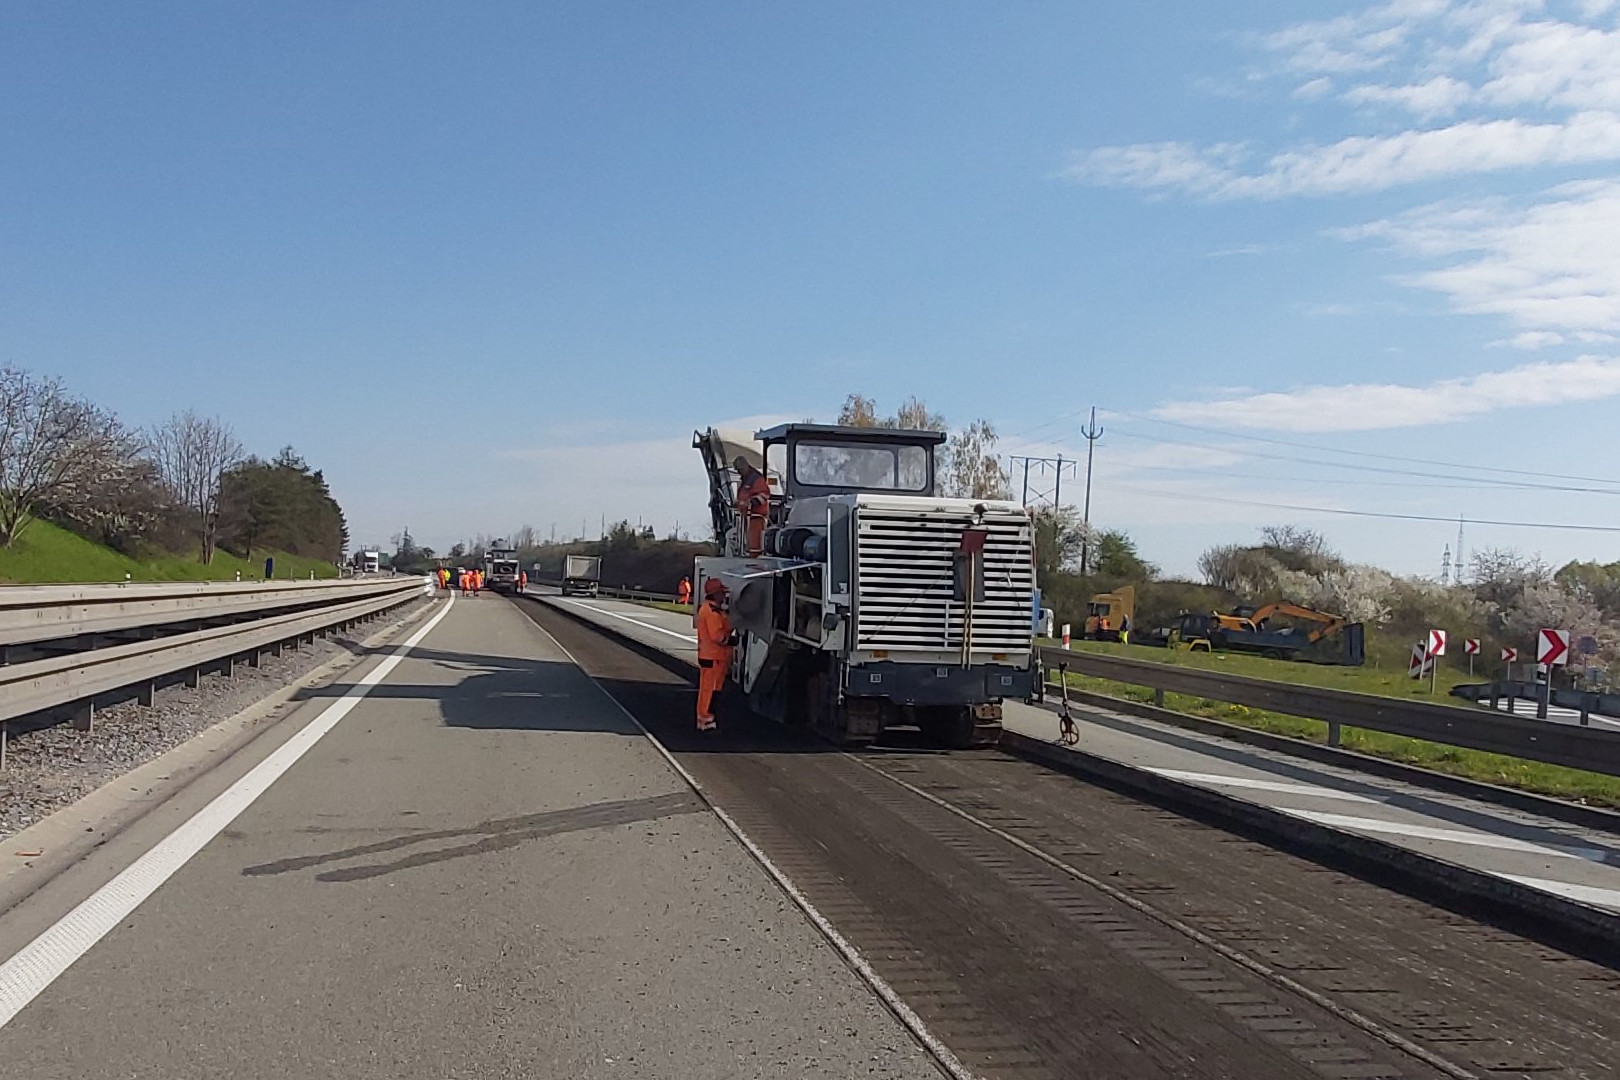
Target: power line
{"type": "Point", "coordinates": [1293, 459]}
{"type": "Point", "coordinates": [1367, 513]}
{"type": "Point", "coordinates": [1464, 483]}
{"type": "Point", "coordinates": [1371, 454]}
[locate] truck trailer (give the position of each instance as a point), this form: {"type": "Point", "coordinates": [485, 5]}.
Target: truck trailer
{"type": "Point", "coordinates": [582, 574]}
{"type": "Point", "coordinates": [874, 603]}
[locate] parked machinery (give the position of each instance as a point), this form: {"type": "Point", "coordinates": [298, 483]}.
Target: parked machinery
{"type": "Point", "coordinates": [1302, 634]}
{"type": "Point", "coordinates": [874, 603]}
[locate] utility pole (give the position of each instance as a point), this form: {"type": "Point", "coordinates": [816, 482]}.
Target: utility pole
{"type": "Point", "coordinates": [1092, 433]}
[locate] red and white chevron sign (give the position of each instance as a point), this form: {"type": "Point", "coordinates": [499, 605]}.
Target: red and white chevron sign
{"type": "Point", "coordinates": [1471, 646]}
{"type": "Point", "coordinates": [1437, 643]}
{"type": "Point", "coordinates": [1509, 655]}
{"type": "Point", "coordinates": [1552, 647]}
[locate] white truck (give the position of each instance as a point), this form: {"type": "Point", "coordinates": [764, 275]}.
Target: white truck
{"type": "Point", "coordinates": [367, 562]}
{"type": "Point", "coordinates": [582, 574]}
{"type": "Point", "coordinates": [501, 573]}
{"type": "Point", "coordinates": [875, 603]}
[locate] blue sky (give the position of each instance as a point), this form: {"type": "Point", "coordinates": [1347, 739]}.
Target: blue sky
{"type": "Point", "coordinates": [490, 264]}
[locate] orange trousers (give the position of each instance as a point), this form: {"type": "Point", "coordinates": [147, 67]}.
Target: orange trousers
{"type": "Point", "coordinates": [710, 680]}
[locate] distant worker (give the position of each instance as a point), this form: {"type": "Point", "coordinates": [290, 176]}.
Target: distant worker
{"type": "Point", "coordinates": [1125, 630]}
{"type": "Point", "coordinates": [753, 503]}
{"type": "Point", "coordinates": [714, 650]}
{"type": "Point", "coordinates": [478, 581]}
{"type": "Point", "coordinates": [523, 579]}
{"type": "Point", "coordinates": [444, 578]}
{"type": "Point", "coordinates": [683, 591]}
{"type": "Point", "coordinates": [462, 583]}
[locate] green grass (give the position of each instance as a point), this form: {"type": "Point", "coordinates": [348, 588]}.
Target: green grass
{"type": "Point", "coordinates": [1386, 681]}
{"type": "Point", "coordinates": [667, 605]}
{"type": "Point", "coordinates": [48, 554]}
{"type": "Point", "coordinates": [1576, 784]}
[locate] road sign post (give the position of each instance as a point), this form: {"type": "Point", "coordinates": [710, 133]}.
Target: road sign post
{"type": "Point", "coordinates": [1552, 650]}
{"type": "Point", "coordinates": [1471, 647]}
{"type": "Point", "coordinates": [1437, 649]}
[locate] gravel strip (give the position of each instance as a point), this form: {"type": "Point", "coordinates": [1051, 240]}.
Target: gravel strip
{"type": "Point", "coordinates": [55, 767]}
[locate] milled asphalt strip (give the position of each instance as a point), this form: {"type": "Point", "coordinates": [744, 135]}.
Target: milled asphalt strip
{"type": "Point", "coordinates": [1237, 956]}
{"type": "Point", "coordinates": [37, 965]}
{"type": "Point", "coordinates": [852, 956]}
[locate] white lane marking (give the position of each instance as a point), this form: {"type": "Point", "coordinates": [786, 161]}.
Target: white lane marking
{"type": "Point", "coordinates": [1251, 783]}
{"type": "Point", "coordinates": [852, 956]}
{"type": "Point", "coordinates": [37, 964]}
{"type": "Point", "coordinates": [1451, 836]}
{"type": "Point", "coordinates": [1586, 894]}
{"type": "Point", "coordinates": [604, 611]}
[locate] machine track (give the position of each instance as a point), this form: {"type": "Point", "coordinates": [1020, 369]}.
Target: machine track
{"type": "Point", "coordinates": [1044, 928]}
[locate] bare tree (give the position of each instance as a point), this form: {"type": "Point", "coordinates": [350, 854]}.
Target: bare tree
{"type": "Point", "coordinates": [859, 411]}
{"type": "Point", "coordinates": [975, 469]}
{"type": "Point", "coordinates": [192, 454]}
{"type": "Point", "coordinates": [914, 416]}
{"type": "Point", "coordinates": [55, 450]}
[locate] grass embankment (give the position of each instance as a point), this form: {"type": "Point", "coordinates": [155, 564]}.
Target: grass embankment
{"type": "Point", "coordinates": [46, 554]}
{"type": "Point", "coordinates": [1594, 788]}
{"type": "Point", "coordinates": [667, 605]}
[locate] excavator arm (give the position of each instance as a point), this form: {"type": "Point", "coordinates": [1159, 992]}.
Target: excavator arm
{"type": "Point", "coordinates": [1326, 622]}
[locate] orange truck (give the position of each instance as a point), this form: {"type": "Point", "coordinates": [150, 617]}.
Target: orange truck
{"type": "Point", "coordinates": [1109, 615]}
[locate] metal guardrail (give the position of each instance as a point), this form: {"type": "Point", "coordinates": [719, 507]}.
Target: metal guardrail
{"type": "Point", "coordinates": [1588, 703]}
{"type": "Point", "coordinates": [78, 678]}
{"type": "Point", "coordinates": [1474, 729]}
{"type": "Point", "coordinates": [34, 613]}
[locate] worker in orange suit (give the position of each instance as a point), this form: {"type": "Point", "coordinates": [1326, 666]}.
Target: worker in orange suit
{"type": "Point", "coordinates": [753, 503]}
{"type": "Point", "coordinates": [715, 641]}
{"type": "Point", "coordinates": [683, 591]}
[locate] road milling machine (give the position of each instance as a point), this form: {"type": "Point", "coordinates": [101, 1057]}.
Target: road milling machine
{"type": "Point", "coordinates": [873, 603]}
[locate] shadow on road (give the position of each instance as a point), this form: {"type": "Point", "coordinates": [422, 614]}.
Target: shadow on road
{"type": "Point", "coordinates": [496, 835]}
{"type": "Point", "coordinates": [501, 692]}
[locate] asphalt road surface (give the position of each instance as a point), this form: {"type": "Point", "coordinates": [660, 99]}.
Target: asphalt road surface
{"type": "Point", "coordinates": [1044, 927]}
{"type": "Point", "coordinates": [482, 870]}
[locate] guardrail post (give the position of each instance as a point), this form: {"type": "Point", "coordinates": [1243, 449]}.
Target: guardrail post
{"type": "Point", "coordinates": [84, 716]}
{"type": "Point", "coordinates": [193, 678]}
{"type": "Point", "coordinates": [4, 738]}
{"type": "Point", "coordinates": [227, 667]}
{"type": "Point", "coordinates": [255, 658]}
{"type": "Point", "coordinates": [146, 694]}
{"type": "Point", "coordinates": [1158, 697]}
{"type": "Point", "coordinates": [1333, 733]}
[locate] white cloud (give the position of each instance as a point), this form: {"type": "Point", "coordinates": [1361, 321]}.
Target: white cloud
{"type": "Point", "coordinates": [1557, 64]}
{"type": "Point", "coordinates": [1314, 89]}
{"type": "Point", "coordinates": [1377, 406]}
{"type": "Point", "coordinates": [1550, 265]}
{"type": "Point", "coordinates": [1356, 164]}
{"type": "Point", "coordinates": [1531, 339]}
{"type": "Point", "coordinates": [1439, 96]}
{"type": "Point", "coordinates": [1532, 90]}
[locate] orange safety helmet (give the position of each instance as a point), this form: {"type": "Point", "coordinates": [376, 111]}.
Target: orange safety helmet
{"type": "Point", "coordinates": [714, 587]}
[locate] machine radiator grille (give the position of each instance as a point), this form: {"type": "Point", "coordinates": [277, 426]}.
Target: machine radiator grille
{"type": "Point", "coordinates": [906, 581]}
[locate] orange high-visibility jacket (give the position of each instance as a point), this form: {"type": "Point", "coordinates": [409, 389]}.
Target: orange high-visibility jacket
{"type": "Point", "coordinates": [754, 497]}
{"type": "Point", "coordinates": [713, 634]}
